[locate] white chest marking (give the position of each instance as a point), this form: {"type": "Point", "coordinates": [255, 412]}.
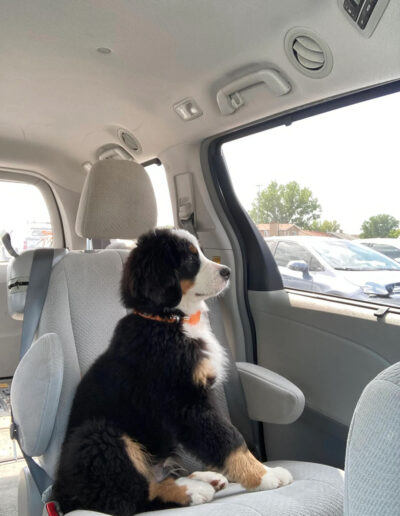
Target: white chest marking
{"type": "Point", "coordinates": [213, 349]}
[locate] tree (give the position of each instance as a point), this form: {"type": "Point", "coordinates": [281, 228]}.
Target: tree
{"type": "Point", "coordinates": [395, 233]}
{"type": "Point", "coordinates": [288, 204]}
{"type": "Point", "coordinates": [326, 226]}
{"type": "Point", "coordinates": [379, 226]}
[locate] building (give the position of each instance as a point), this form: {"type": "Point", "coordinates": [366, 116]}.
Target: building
{"type": "Point", "coordinates": [277, 229]}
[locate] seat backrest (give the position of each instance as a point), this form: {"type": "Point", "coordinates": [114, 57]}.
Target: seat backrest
{"type": "Point", "coordinates": [82, 307]}
{"type": "Point", "coordinates": [372, 469]}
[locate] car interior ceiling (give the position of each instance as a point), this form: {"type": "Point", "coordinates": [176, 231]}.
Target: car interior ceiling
{"type": "Point", "coordinates": [169, 83]}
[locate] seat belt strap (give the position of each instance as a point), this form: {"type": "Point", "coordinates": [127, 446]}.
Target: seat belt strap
{"type": "Point", "coordinates": [39, 278]}
{"type": "Point", "coordinates": [39, 475]}
{"type": "Point", "coordinates": [42, 263]}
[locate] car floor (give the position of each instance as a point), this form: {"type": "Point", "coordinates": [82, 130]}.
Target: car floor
{"type": "Point", "coordinates": [11, 462]}
{"type": "Point", "coordinates": [9, 473]}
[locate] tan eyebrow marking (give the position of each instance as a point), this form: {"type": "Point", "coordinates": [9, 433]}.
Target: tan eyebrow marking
{"type": "Point", "coordinates": [193, 249]}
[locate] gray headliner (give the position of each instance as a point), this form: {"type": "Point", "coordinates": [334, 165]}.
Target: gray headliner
{"type": "Point", "coordinates": [61, 99]}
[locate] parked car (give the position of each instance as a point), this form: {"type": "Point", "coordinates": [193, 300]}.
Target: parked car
{"type": "Point", "coordinates": [387, 246]}
{"type": "Point", "coordinates": [39, 234]}
{"type": "Point", "coordinates": [335, 266]}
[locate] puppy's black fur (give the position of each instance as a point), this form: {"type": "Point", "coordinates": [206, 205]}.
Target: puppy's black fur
{"type": "Point", "coordinates": [141, 387]}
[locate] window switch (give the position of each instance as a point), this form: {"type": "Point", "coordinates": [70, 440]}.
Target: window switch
{"type": "Point", "coordinates": [350, 9]}
{"type": "Point", "coordinates": [366, 13]}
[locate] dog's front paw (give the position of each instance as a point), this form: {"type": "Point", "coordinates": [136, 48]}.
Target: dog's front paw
{"type": "Point", "coordinates": [217, 480]}
{"type": "Point", "coordinates": [198, 491]}
{"type": "Point", "coordinates": [273, 478]}
{"type": "Point", "coordinates": [284, 476]}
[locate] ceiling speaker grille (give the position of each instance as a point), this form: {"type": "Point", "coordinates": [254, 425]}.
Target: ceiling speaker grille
{"type": "Point", "coordinates": [308, 53]}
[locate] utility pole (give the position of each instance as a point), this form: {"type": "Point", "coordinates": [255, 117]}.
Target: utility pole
{"type": "Point", "coordinates": [258, 205]}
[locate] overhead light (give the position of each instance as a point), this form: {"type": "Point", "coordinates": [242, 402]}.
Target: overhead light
{"type": "Point", "coordinates": [104, 50]}
{"type": "Point", "coordinates": [188, 109]}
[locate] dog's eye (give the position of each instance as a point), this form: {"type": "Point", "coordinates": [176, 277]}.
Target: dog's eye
{"type": "Point", "coordinates": [193, 249]}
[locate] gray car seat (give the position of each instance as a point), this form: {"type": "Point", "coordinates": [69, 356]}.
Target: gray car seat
{"type": "Point", "coordinates": [373, 449]}
{"type": "Point", "coordinates": [81, 310]}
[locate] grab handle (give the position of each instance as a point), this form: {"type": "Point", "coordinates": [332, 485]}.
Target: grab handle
{"type": "Point", "coordinates": [229, 98]}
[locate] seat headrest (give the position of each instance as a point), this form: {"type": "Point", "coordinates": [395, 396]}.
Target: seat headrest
{"type": "Point", "coordinates": [117, 201]}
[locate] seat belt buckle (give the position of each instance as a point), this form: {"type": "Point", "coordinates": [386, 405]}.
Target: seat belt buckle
{"type": "Point", "coordinates": [13, 431]}
{"type": "Point", "coordinates": [53, 509]}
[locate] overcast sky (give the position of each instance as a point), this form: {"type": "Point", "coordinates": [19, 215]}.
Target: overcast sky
{"type": "Point", "coordinates": [349, 158]}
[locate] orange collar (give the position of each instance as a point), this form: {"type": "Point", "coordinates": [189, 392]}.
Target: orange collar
{"type": "Point", "coordinates": [191, 319]}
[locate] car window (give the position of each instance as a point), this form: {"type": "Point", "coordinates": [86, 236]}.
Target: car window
{"type": "Point", "coordinates": [24, 214]}
{"type": "Point", "coordinates": [315, 265]}
{"type": "Point", "coordinates": [306, 181]}
{"type": "Point", "coordinates": [388, 250]}
{"type": "Point", "coordinates": [346, 256]}
{"type": "Point", "coordinates": [290, 251]}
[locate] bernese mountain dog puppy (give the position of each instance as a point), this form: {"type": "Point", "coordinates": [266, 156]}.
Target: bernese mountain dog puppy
{"type": "Point", "coordinates": [152, 390]}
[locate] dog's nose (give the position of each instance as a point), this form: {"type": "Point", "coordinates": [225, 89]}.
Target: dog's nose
{"type": "Point", "coordinates": [225, 272]}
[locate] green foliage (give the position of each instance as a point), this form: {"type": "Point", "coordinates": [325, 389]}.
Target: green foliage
{"type": "Point", "coordinates": [394, 233]}
{"type": "Point", "coordinates": [326, 226]}
{"type": "Point", "coordinates": [379, 226]}
{"type": "Point", "coordinates": [286, 204]}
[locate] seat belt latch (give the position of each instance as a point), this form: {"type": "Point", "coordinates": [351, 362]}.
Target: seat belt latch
{"type": "Point", "coordinates": [13, 431]}
{"type": "Point", "coordinates": [53, 509]}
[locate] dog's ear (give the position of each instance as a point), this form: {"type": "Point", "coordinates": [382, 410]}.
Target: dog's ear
{"type": "Point", "coordinates": [150, 279]}
{"type": "Point", "coordinates": [162, 288]}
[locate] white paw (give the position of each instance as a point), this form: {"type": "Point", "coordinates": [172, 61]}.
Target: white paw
{"type": "Point", "coordinates": [285, 477]}
{"type": "Point", "coordinates": [273, 478]}
{"type": "Point", "coordinates": [198, 491]}
{"type": "Point", "coordinates": [217, 480]}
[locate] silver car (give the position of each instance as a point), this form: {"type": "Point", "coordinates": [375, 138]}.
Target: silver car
{"type": "Point", "coordinates": [387, 246]}
{"type": "Point", "coordinates": [335, 266]}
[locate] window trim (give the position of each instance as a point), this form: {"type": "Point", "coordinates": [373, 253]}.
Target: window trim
{"type": "Point", "coordinates": [261, 272]}
{"type": "Point", "coordinates": [16, 176]}
{"type": "Point", "coordinates": [369, 305]}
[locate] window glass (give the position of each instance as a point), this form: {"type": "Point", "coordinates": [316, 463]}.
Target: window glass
{"type": "Point", "coordinates": [388, 250]}
{"type": "Point", "coordinates": [325, 182]}
{"type": "Point", "coordinates": [24, 214]}
{"type": "Point", "coordinates": [315, 265]}
{"type": "Point", "coordinates": [290, 251]}
{"type": "Point", "coordinates": [345, 256]}
{"type": "Point", "coordinates": [158, 179]}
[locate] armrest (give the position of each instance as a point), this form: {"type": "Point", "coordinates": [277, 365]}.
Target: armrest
{"type": "Point", "coordinates": [270, 398]}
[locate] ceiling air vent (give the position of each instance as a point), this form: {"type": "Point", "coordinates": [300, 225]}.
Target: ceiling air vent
{"type": "Point", "coordinates": [129, 140]}
{"type": "Point", "coordinates": [308, 53]}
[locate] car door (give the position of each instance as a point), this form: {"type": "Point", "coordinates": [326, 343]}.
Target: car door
{"type": "Point", "coordinates": [330, 347]}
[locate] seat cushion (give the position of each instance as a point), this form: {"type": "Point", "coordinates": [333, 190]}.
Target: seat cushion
{"type": "Point", "coordinates": [317, 490]}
